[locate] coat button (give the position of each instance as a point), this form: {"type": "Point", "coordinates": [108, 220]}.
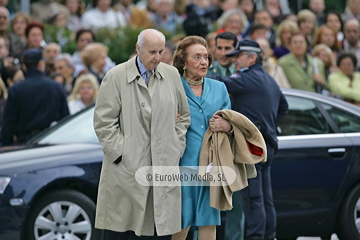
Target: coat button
{"type": "Point", "coordinates": [200, 110]}
{"type": "Point", "coordinates": [202, 126]}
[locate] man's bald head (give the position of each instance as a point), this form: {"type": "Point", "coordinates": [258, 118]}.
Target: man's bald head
{"type": "Point", "coordinates": [150, 47]}
{"type": "Point", "coordinates": [352, 31]}
{"type": "Point", "coordinates": [150, 35]}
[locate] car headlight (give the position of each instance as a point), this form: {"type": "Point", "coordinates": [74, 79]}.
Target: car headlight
{"type": "Point", "coordinates": [4, 181]}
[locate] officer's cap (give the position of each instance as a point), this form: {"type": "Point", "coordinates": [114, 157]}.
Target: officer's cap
{"type": "Point", "coordinates": [245, 45]}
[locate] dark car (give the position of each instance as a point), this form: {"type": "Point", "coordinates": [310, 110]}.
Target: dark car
{"type": "Point", "coordinates": [48, 187]}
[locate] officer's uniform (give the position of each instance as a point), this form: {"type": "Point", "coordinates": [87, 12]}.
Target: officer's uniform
{"type": "Point", "coordinates": [256, 95]}
{"type": "Point", "coordinates": [216, 70]}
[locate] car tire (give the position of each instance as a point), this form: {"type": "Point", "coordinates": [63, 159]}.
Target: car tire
{"type": "Point", "coordinates": [62, 214]}
{"type": "Point", "coordinates": [349, 215]}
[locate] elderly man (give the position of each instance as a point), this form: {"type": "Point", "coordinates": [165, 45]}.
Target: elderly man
{"type": "Point", "coordinates": [136, 121]}
{"type": "Point", "coordinates": [64, 65]}
{"type": "Point", "coordinates": [351, 42]}
{"type": "Point", "coordinates": [33, 104]}
{"type": "Point", "coordinates": [16, 46]}
{"type": "Point", "coordinates": [225, 42]}
{"type": "Point", "coordinates": [50, 52]}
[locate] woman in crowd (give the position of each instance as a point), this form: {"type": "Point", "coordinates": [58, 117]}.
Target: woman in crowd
{"type": "Point", "coordinates": [346, 82]}
{"type": "Point", "coordinates": [307, 23]}
{"type": "Point", "coordinates": [34, 33]}
{"type": "Point", "coordinates": [19, 24]}
{"type": "Point", "coordinates": [334, 21]}
{"type": "Point", "coordinates": [234, 21]}
{"type": "Point", "coordinates": [76, 9]}
{"type": "Point", "coordinates": [205, 96]}
{"type": "Point", "coordinates": [94, 58]}
{"type": "Point", "coordinates": [324, 53]}
{"type": "Point", "coordinates": [269, 64]}
{"type": "Point", "coordinates": [102, 16]}
{"type": "Point", "coordinates": [327, 36]}
{"type": "Point", "coordinates": [83, 94]}
{"type": "Point", "coordinates": [284, 32]}
{"type": "Point", "coordinates": [302, 70]}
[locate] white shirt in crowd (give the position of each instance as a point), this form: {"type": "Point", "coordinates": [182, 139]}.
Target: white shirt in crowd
{"type": "Point", "coordinates": [75, 106]}
{"type": "Point", "coordinates": [94, 18]}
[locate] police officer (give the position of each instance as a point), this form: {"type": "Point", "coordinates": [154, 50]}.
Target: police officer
{"type": "Point", "coordinates": [256, 95]}
{"type": "Point", "coordinates": [33, 104]}
{"type": "Point", "coordinates": [225, 42]}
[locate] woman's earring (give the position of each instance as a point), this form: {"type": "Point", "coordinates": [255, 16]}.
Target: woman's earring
{"type": "Point", "coordinates": [184, 68]}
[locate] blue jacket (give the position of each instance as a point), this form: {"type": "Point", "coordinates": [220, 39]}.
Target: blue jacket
{"type": "Point", "coordinates": [32, 105]}
{"type": "Point", "coordinates": [256, 95]}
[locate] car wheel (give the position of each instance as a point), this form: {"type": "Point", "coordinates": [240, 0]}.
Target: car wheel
{"type": "Point", "coordinates": [64, 214]}
{"type": "Point", "coordinates": [348, 221]}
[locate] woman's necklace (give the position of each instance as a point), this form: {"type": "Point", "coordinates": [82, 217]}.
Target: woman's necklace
{"type": "Point", "coordinates": [193, 82]}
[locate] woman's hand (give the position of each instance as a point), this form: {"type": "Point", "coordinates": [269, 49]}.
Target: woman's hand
{"type": "Point", "coordinates": [218, 124]}
{"type": "Point", "coordinates": [318, 78]}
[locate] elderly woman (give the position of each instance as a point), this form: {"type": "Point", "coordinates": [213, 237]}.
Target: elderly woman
{"type": "Point", "coordinates": [302, 70]}
{"type": "Point", "coordinates": [234, 21]}
{"type": "Point", "coordinates": [94, 58]}
{"type": "Point", "coordinates": [83, 94]}
{"type": "Point", "coordinates": [285, 30]}
{"type": "Point", "coordinates": [346, 82]}
{"type": "Point", "coordinates": [205, 96]}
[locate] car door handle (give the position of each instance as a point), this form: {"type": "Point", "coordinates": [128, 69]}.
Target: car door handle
{"type": "Point", "coordinates": [337, 152]}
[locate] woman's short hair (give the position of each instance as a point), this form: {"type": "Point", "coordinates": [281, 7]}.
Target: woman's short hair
{"type": "Point", "coordinates": [181, 53]}
{"type": "Point", "coordinates": [88, 77]}
{"type": "Point", "coordinates": [285, 25]}
{"type": "Point", "coordinates": [304, 15]}
{"type": "Point", "coordinates": [320, 32]}
{"type": "Point", "coordinates": [82, 31]}
{"type": "Point", "coordinates": [346, 55]}
{"type": "Point", "coordinates": [224, 18]}
{"type": "Point", "coordinates": [91, 52]}
{"type": "Point", "coordinates": [319, 47]}
{"type": "Point", "coordinates": [33, 25]}
{"type": "Point", "coordinates": [20, 15]}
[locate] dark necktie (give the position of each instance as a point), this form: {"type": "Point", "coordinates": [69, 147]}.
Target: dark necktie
{"type": "Point", "coordinates": [228, 73]}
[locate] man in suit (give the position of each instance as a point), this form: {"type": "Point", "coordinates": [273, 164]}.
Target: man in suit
{"type": "Point", "coordinates": [33, 104]}
{"type": "Point", "coordinates": [225, 42]}
{"type": "Point", "coordinates": [135, 120]}
{"type": "Point", "coordinates": [250, 87]}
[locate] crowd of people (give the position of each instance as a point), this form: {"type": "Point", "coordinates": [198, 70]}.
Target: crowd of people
{"type": "Point", "coordinates": [309, 43]}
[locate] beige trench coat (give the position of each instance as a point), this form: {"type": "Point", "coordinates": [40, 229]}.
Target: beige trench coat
{"type": "Point", "coordinates": [139, 123]}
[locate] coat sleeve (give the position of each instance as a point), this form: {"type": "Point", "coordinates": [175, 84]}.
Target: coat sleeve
{"type": "Point", "coordinates": [10, 119]}
{"type": "Point", "coordinates": [106, 117]}
{"type": "Point", "coordinates": [183, 109]}
{"type": "Point", "coordinates": [227, 102]}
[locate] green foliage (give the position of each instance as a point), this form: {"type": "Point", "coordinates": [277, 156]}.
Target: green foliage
{"type": "Point", "coordinates": [121, 41]}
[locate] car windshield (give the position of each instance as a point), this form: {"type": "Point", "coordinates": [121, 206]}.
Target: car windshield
{"type": "Point", "coordinates": [78, 129]}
